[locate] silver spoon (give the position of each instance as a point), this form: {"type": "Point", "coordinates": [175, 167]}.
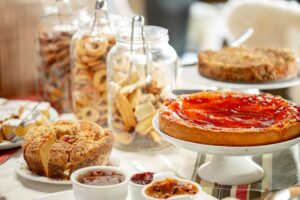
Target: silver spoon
{"type": "Point", "coordinates": [235, 43]}
{"type": "Point", "coordinates": [138, 166]}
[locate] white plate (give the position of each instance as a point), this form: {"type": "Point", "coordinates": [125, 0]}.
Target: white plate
{"type": "Point", "coordinates": [68, 195]}
{"type": "Point", "coordinates": [190, 77]}
{"type": "Point", "coordinates": [23, 171]}
{"type": "Point", "coordinates": [9, 145]}
{"type": "Point", "coordinates": [225, 150]}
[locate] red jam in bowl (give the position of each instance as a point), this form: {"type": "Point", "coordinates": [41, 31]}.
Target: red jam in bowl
{"type": "Point", "coordinates": [101, 178]}
{"type": "Point", "coordinates": [142, 178]}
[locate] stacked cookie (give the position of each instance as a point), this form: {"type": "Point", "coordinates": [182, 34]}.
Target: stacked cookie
{"type": "Point", "coordinates": [54, 67]}
{"type": "Point", "coordinates": [134, 101]}
{"type": "Point", "coordinates": [89, 87]}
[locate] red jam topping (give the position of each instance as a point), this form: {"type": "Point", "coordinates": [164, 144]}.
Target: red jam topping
{"type": "Point", "coordinates": [142, 178]}
{"type": "Point", "coordinates": [234, 110]}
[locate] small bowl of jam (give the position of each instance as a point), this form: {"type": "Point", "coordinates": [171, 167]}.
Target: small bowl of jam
{"type": "Point", "coordinates": [171, 188]}
{"type": "Point", "coordinates": [137, 182]}
{"type": "Point", "coordinates": [96, 182]}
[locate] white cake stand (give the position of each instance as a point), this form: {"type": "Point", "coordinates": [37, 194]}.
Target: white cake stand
{"type": "Point", "coordinates": [190, 77]}
{"type": "Point", "coordinates": [229, 165]}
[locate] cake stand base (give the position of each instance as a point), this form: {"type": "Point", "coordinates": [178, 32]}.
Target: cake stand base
{"type": "Point", "coordinates": [229, 170]}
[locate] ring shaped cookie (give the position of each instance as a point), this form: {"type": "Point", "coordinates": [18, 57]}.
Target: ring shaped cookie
{"type": "Point", "coordinates": [96, 49]}
{"type": "Point", "coordinates": [99, 80]}
{"type": "Point", "coordinates": [89, 113]}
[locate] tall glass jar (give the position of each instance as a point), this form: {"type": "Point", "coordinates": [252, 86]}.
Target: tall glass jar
{"type": "Point", "coordinates": [54, 36]}
{"type": "Point", "coordinates": [141, 74]}
{"type": "Point", "coordinates": [90, 46]}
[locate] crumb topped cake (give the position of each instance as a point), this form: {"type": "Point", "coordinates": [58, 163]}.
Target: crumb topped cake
{"type": "Point", "coordinates": [230, 118]}
{"type": "Point", "coordinates": [57, 149]}
{"type": "Point", "coordinates": [241, 64]}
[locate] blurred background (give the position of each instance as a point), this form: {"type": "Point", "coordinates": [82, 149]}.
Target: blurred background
{"type": "Point", "coordinates": [193, 26]}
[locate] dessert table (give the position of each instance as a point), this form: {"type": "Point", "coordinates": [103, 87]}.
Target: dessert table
{"type": "Point", "coordinates": [182, 162]}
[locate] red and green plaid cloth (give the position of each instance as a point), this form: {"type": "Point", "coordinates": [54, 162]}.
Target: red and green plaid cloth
{"type": "Point", "coordinates": [282, 170]}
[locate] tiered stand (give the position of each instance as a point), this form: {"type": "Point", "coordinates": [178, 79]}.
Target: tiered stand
{"type": "Point", "coordinates": [233, 165]}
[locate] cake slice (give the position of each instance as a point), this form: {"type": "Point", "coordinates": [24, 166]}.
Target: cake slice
{"type": "Point", "coordinates": [36, 153]}
{"type": "Point", "coordinates": [59, 155]}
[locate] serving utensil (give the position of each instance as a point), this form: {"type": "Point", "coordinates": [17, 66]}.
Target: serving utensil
{"type": "Point", "coordinates": [138, 166]}
{"type": "Point", "coordinates": [140, 20]}
{"type": "Point", "coordinates": [235, 43]}
{"type": "Point", "coordinates": [12, 139]}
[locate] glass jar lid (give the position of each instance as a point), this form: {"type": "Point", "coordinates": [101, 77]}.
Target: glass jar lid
{"type": "Point", "coordinates": [152, 34]}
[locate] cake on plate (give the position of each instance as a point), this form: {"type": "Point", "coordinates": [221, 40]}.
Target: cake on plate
{"type": "Point", "coordinates": [230, 118]}
{"type": "Point", "coordinates": [241, 64]}
{"type": "Point", "coordinates": [57, 149]}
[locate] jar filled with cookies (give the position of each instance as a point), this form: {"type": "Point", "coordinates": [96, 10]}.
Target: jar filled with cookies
{"type": "Point", "coordinates": [141, 75]}
{"type": "Point", "coordinates": [90, 46]}
{"type": "Point", "coordinates": [54, 36]}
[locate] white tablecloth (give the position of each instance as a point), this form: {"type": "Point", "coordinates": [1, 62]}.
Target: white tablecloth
{"type": "Point", "coordinates": [14, 187]}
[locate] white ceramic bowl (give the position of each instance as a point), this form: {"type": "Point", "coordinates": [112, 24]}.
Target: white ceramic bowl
{"type": "Point", "coordinates": [94, 192]}
{"type": "Point", "coordinates": [136, 191]}
{"type": "Point", "coordinates": [178, 197]}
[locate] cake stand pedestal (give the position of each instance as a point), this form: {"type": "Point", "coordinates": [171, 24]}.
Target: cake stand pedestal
{"type": "Point", "coordinates": [229, 165]}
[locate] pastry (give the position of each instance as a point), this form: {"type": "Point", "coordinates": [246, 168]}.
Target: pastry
{"type": "Point", "coordinates": [243, 64]}
{"type": "Point", "coordinates": [230, 118]}
{"type": "Point", "coordinates": [57, 149]}
{"type": "Point", "coordinates": [16, 118]}
{"type": "Point", "coordinates": [1, 136]}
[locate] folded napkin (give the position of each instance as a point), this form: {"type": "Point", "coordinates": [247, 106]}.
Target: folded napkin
{"type": "Point", "coordinates": [281, 171]}
{"type": "Point", "coordinates": [5, 155]}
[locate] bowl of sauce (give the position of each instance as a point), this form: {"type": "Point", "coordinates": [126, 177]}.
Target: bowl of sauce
{"type": "Point", "coordinates": [142, 178]}
{"type": "Point", "coordinates": [171, 188]}
{"type": "Point", "coordinates": [100, 177]}
{"type": "Point", "coordinates": [137, 182]}
{"type": "Point", "coordinates": [97, 182]}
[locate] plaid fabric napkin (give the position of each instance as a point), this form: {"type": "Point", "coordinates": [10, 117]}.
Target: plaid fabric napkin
{"type": "Point", "coordinates": [281, 171]}
{"type": "Point", "coordinates": [5, 155]}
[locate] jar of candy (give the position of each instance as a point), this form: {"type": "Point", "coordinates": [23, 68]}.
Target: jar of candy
{"type": "Point", "coordinates": [90, 45]}
{"type": "Point", "coordinates": [141, 74]}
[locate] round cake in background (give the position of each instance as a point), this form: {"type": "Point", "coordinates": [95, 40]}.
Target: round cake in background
{"type": "Point", "coordinates": [57, 149]}
{"type": "Point", "coordinates": [230, 118]}
{"type": "Point", "coordinates": [241, 64]}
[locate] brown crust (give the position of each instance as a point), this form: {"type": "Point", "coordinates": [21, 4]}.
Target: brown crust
{"type": "Point", "coordinates": [248, 65]}
{"type": "Point", "coordinates": [183, 130]}
{"type": "Point", "coordinates": [229, 138]}
{"type": "Point", "coordinates": [75, 145]}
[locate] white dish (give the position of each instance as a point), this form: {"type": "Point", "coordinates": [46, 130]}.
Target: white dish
{"type": "Point", "coordinates": [23, 171]}
{"type": "Point", "coordinates": [191, 76]}
{"type": "Point", "coordinates": [9, 145]}
{"type": "Point", "coordinates": [68, 195]}
{"type": "Point", "coordinates": [116, 191]}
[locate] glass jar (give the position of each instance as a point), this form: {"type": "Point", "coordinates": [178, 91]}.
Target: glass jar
{"type": "Point", "coordinates": [141, 74]}
{"type": "Point", "coordinates": [89, 48]}
{"type": "Point", "coordinates": [54, 36]}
